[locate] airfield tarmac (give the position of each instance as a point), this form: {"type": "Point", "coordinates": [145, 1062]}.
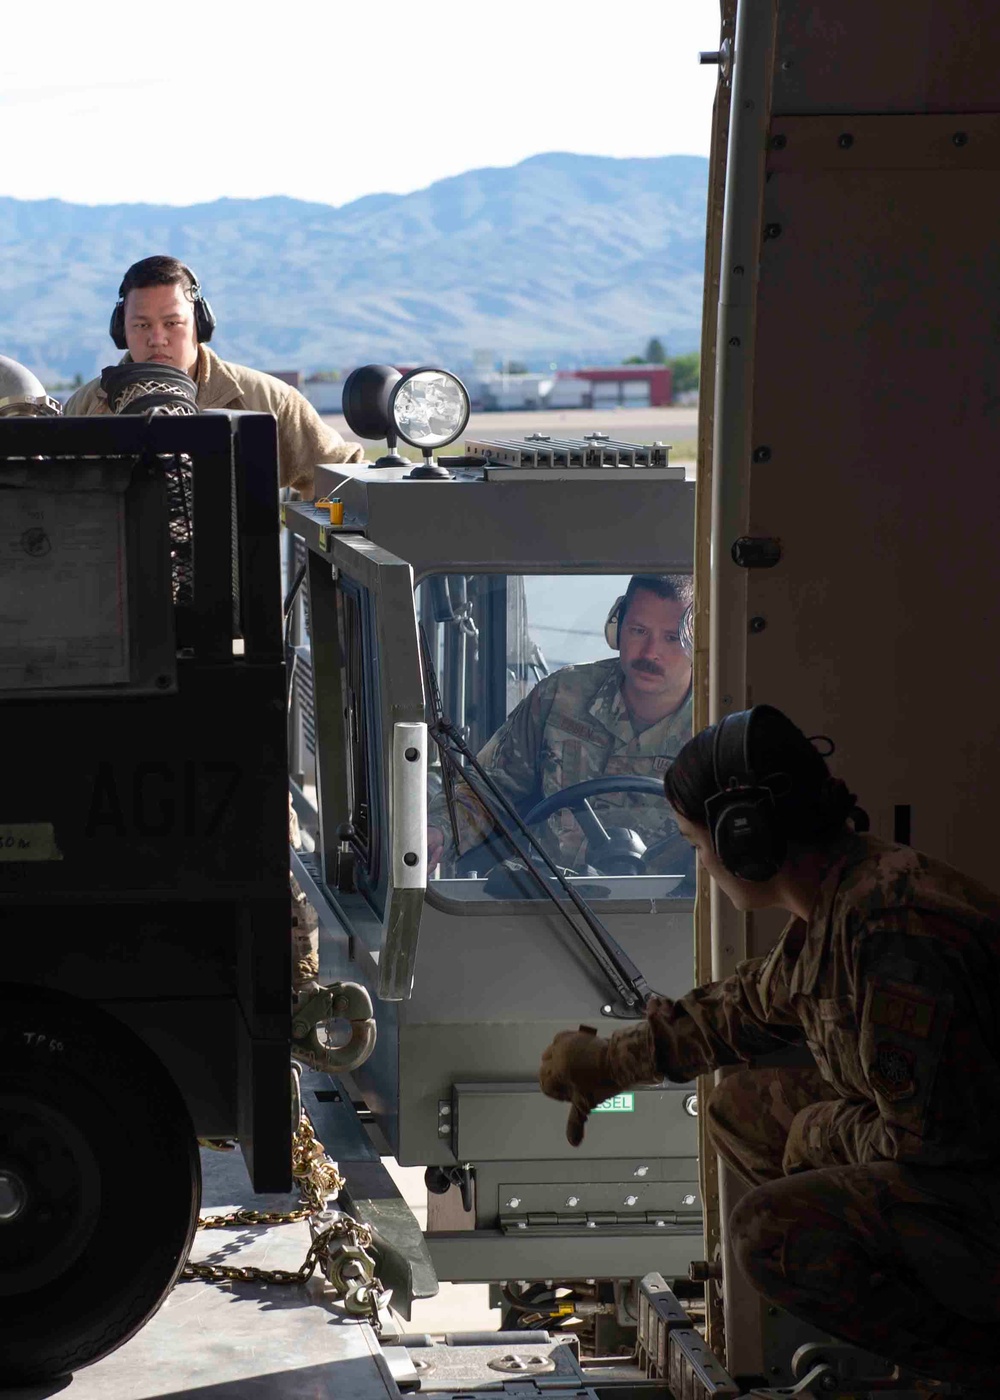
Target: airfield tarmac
{"type": "Point", "coordinates": [458, 1307]}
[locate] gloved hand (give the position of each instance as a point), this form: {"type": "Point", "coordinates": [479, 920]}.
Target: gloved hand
{"type": "Point", "coordinates": [577, 1068]}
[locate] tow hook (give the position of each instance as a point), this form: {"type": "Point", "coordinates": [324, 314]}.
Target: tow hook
{"type": "Point", "coordinates": [314, 1007]}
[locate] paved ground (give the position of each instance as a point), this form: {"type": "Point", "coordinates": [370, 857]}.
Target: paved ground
{"type": "Point", "coordinates": [673, 425]}
{"type": "Point", "coordinates": [458, 1307]}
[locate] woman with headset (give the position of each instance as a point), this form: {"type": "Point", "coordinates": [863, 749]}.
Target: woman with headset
{"type": "Point", "coordinates": [875, 1169]}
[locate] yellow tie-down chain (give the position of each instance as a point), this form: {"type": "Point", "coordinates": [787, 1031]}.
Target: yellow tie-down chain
{"type": "Point", "coordinates": [340, 1245]}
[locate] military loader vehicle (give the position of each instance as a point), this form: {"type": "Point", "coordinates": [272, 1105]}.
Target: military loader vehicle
{"type": "Point", "coordinates": [432, 594]}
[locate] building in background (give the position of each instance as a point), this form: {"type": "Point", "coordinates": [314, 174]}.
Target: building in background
{"type": "Point", "coordinates": [492, 390]}
{"type": "Point", "coordinates": [641, 386]}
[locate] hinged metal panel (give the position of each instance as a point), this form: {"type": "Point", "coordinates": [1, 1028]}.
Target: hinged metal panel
{"type": "Point", "coordinates": [516, 1122]}
{"type": "Point", "coordinates": [551, 1223]}
{"type": "Point", "coordinates": [625, 1196]}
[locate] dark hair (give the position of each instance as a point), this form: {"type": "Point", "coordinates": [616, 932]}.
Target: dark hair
{"type": "Point", "coordinates": [677, 588]}
{"type": "Point", "coordinates": [811, 806]}
{"type": "Point", "coordinates": [157, 271]}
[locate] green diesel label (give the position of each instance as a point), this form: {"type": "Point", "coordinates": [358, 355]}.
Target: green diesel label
{"type": "Point", "coordinates": [621, 1103]}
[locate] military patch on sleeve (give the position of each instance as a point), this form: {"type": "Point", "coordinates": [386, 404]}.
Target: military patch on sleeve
{"type": "Point", "coordinates": [906, 1009]}
{"type": "Point", "coordinates": [661, 763]}
{"type": "Point", "coordinates": [893, 1075]}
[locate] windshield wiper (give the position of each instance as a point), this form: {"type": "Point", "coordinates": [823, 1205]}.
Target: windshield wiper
{"type": "Point", "coordinates": [628, 983]}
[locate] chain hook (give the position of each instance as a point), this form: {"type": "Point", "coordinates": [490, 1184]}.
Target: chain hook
{"type": "Point", "coordinates": [317, 1005]}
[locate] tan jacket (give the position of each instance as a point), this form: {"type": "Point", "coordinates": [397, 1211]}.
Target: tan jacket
{"type": "Point", "coordinates": [303, 438]}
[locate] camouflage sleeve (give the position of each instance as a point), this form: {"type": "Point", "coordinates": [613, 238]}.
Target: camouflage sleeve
{"type": "Point", "coordinates": [928, 1052]}
{"type": "Point", "coordinates": [511, 757]}
{"type": "Point", "coordinates": [725, 1023]}
{"type": "Point", "coordinates": [471, 817]}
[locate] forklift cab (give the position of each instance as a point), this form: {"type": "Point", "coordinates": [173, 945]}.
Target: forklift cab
{"type": "Point", "coordinates": [450, 598]}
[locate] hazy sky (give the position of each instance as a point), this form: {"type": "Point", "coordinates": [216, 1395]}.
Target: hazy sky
{"type": "Point", "coordinates": [329, 100]}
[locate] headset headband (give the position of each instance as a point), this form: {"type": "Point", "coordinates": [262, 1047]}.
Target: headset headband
{"type": "Point", "coordinates": [194, 289]}
{"type": "Point", "coordinates": [735, 761]}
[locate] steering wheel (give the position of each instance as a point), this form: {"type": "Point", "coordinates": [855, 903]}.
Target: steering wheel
{"type": "Point", "coordinates": [576, 798]}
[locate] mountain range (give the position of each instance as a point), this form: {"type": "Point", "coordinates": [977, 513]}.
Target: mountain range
{"type": "Point", "coordinates": [563, 257]}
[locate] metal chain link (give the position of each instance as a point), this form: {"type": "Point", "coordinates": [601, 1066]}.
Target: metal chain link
{"type": "Point", "coordinates": [318, 1179]}
{"type": "Point", "coordinates": [317, 1176]}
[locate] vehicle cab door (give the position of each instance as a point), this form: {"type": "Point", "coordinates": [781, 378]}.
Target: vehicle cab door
{"type": "Point", "coordinates": [360, 674]}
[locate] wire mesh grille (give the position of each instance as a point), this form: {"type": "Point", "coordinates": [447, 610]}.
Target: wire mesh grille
{"type": "Point", "coordinates": [179, 496]}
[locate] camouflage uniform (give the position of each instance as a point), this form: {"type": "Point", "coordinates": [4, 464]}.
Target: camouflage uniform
{"type": "Point", "coordinates": [875, 1212]}
{"type": "Point", "coordinates": [573, 726]}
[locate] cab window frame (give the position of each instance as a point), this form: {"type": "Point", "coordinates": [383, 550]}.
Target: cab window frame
{"type": "Point", "coordinates": [453, 903]}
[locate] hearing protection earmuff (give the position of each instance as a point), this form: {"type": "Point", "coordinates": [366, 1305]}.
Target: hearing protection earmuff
{"type": "Point", "coordinates": [613, 625]}
{"type": "Point", "coordinates": [204, 316]}
{"type": "Point", "coordinates": [612, 628]}
{"type": "Point", "coordinates": [741, 815]}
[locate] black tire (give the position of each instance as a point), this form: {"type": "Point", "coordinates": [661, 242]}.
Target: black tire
{"type": "Point", "coordinates": [100, 1185]}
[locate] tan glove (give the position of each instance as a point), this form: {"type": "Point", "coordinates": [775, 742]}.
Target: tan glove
{"type": "Point", "coordinates": [583, 1069]}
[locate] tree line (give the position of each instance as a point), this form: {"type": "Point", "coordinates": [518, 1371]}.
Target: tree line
{"type": "Point", "coordinates": [685, 368]}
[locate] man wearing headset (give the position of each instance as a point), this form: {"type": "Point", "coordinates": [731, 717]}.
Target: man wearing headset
{"type": "Point", "coordinates": [875, 1170]}
{"type": "Point", "coordinates": [161, 317]}
{"type": "Point", "coordinates": [625, 715]}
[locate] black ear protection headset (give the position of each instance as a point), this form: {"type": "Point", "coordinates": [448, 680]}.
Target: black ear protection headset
{"type": "Point", "coordinates": [204, 316]}
{"type": "Point", "coordinates": [741, 815]}
{"type": "Point", "coordinates": [613, 627]}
